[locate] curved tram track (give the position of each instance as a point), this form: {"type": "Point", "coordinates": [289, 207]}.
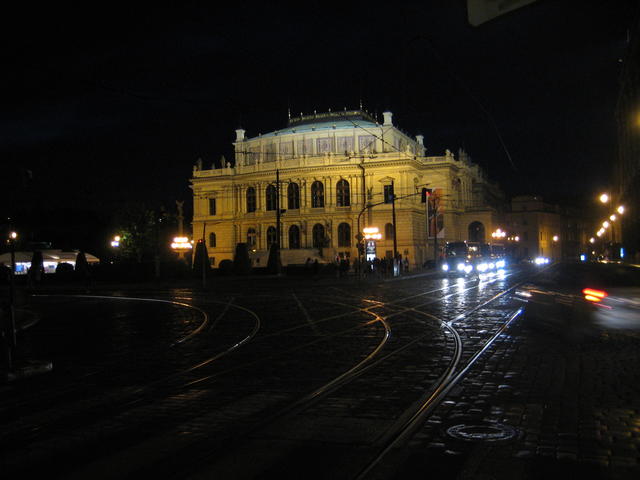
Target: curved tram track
{"type": "Point", "coordinates": [287, 407]}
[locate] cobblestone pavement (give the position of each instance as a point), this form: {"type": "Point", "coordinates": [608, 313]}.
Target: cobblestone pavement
{"type": "Point", "coordinates": [536, 407]}
{"type": "Point", "coordinates": [135, 392]}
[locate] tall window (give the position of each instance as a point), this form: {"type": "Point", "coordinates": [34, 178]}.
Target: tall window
{"type": "Point", "coordinates": [388, 231]}
{"type": "Point", "coordinates": [272, 235]}
{"type": "Point", "coordinates": [317, 194]}
{"type": "Point", "coordinates": [344, 235]}
{"type": "Point", "coordinates": [293, 196]}
{"type": "Point", "coordinates": [343, 198]}
{"type": "Point", "coordinates": [318, 235]}
{"type": "Point", "coordinates": [251, 238]}
{"type": "Point", "coordinates": [212, 206]}
{"type": "Point", "coordinates": [294, 236]}
{"type": "Point", "coordinates": [271, 197]}
{"type": "Point", "coordinates": [212, 240]}
{"type": "Point", "coordinates": [388, 193]}
{"type": "Point", "coordinates": [251, 199]}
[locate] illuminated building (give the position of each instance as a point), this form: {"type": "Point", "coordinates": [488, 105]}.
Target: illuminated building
{"type": "Point", "coordinates": [546, 230]}
{"type": "Point", "coordinates": [330, 167]}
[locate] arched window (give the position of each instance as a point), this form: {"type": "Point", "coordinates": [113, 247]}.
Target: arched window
{"type": "Point", "coordinates": [344, 235]}
{"type": "Point", "coordinates": [251, 238]}
{"type": "Point", "coordinates": [343, 198]}
{"type": "Point", "coordinates": [212, 240]}
{"type": "Point", "coordinates": [294, 236]}
{"type": "Point", "coordinates": [271, 236]}
{"type": "Point", "coordinates": [476, 232]}
{"type": "Point", "coordinates": [251, 199]}
{"type": "Point", "coordinates": [318, 235]}
{"type": "Point", "coordinates": [388, 231]}
{"type": "Point", "coordinates": [317, 194]}
{"type": "Point", "coordinates": [293, 196]}
{"type": "Point", "coordinates": [271, 197]}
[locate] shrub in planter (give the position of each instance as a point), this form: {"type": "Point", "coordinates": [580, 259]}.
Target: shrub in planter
{"type": "Point", "coordinates": [225, 267]}
{"type": "Point", "coordinates": [241, 260]}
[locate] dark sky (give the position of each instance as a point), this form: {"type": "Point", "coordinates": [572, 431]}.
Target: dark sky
{"type": "Point", "coordinates": [117, 103]}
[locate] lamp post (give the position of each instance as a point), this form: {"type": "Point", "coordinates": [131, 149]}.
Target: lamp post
{"type": "Point", "coordinates": [615, 218]}
{"type": "Point", "coordinates": [10, 335]}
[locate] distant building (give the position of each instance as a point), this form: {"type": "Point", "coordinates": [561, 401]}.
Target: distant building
{"type": "Point", "coordinates": [536, 228]}
{"type": "Point", "coordinates": [626, 189]}
{"type": "Point", "coordinates": [331, 166]}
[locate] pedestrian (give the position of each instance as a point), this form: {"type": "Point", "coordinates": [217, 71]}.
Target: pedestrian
{"type": "Point", "coordinates": [315, 268]}
{"type": "Point", "coordinates": [405, 265]}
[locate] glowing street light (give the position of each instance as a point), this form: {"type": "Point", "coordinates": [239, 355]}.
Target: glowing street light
{"type": "Point", "coordinates": [13, 235]}
{"type": "Point", "coordinates": [621, 209]}
{"type": "Point", "coordinates": [372, 233]}
{"type": "Point", "coordinates": [612, 217]}
{"type": "Point", "coordinates": [181, 244]}
{"type": "Point", "coordinates": [604, 198]}
{"type": "Point", "coordinates": [592, 240]}
{"type": "Point", "coordinates": [556, 238]}
{"type": "Point", "coordinates": [115, 243]}
{"type": "Point", "coordinates": [605, 224]}
{"type": "Point", "coordinates": [499, 234]}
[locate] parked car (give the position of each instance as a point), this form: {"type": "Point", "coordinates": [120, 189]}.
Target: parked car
{"type": "Point", "coordinates": [583, 298]}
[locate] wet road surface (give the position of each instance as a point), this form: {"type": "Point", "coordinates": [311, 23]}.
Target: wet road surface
{"type": "Point", "coordinates": [302, 378]}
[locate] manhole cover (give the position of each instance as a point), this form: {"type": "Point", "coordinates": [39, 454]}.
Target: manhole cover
{"type": "Point", "coordinates": [487, 432]}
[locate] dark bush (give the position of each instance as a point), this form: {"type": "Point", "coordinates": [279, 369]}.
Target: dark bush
{"type": "Point", "coordinates": [201, 260]}
{"type": "Point", "coordinates": [274, 264]}
{"type": "Point", "coordinates": [64, 271]}
{"type": "Point", "coordinates": [225, 267]}
{"type": "Point", "coordinates": [241, 260]}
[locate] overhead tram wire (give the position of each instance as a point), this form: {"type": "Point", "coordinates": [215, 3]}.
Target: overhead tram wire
{"type": "Point", "coordinates": [466, 89]}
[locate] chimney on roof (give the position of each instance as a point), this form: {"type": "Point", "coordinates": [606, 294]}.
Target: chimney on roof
{"type": "Point", "coordinates": [387, 118]}
{"type": "Point", "coordinates": [239, 134]}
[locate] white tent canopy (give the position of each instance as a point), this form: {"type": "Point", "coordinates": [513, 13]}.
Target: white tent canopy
{"type": "Point", "coordinates": [50, 258]}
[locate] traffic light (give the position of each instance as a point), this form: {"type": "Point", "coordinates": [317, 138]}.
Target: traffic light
{"type": "Point", "coordinates": [426, 192]}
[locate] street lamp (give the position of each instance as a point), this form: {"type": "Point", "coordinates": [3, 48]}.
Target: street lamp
{"type": "Point", "coordinates": [499, 233]}
{"type": "Point", "coordinates": [556, 238]}
{"type": "Point", "coordinates": [604, 198]}
{"type": "Point", "coordinates": [115, 243]}
{"type": "Point", "coordinates": [621, 209]}
{"type": "Point", "coordinates": [181, 244]}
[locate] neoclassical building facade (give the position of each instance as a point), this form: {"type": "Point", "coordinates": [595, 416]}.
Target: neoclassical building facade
{"type": "Point", "coordinates": [331, 175]}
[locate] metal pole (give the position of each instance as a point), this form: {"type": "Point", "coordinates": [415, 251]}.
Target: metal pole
{"type": "Point", "coordinates": [204, 259]}
{"type": "Point", "coordinates": [278, 233]}
{"type": "Point", "coordinates": [393, 217]}
{"type": "Point", "coordinates": [435, 231]}
{"type": "Point", "coordinates": [11, 341]}
{"type": "Point", "coordinates": [278, 225]}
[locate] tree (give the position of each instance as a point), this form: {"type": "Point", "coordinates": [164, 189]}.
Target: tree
{"type": "Point", "coordinates": [37, 267]}
{"type": "Point", "coordinates": [201, 260]}
{"type": "Point", "coordinates": [241, 260]}
{"type": "Point", "coordinates": [136, 226]}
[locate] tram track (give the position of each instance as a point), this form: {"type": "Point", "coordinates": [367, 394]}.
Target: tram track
{"type": "Point", "coordinates": [348, 376]}
{"type": "Point", "coordinates": [307, 401]}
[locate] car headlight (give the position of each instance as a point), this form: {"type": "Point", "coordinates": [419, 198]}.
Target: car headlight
{"type": "Point", "coordinates": [482, 267]}
{"type": "Point", "coordinates": [468, 268]}
{"type": "Point", "coordinates": [460, 267]}
{"type": "Point", "coordinates": [445, 267]}
{"type": "Point", "coordinates": [500, 264]}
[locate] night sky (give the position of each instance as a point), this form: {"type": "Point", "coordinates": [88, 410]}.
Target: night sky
{"type": "Point", "coordinates": [105, 105]}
